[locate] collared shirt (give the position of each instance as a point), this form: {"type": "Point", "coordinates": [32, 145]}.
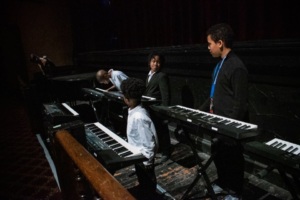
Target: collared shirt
{"type": "Point", "coordinates": [141, 132]}
{"type": "Point", "coordinates": [117, 77]}
{"type": "Point", "coordinates": [150, 74]}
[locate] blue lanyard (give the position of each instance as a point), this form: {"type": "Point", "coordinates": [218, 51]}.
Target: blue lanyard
{"type": "Point", "coordinates": [216, 73]}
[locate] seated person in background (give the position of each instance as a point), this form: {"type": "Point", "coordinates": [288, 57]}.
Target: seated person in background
{"type": "Point", "coordinates": [113, 76]}
{"type": "Point", "coordinates": [141, 133]}
{"type": "Point", "coordinates": [45, 64]}
{"type": "Point", "coordinates": [40, 81]}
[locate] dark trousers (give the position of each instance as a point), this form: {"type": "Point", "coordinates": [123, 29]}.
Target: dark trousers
{"type": "Point", "coordinates": [162, 131]}
{"type": "Point", "coordinates": [146, 177]}
{"type": "Point", "coordinates": [229, 161]}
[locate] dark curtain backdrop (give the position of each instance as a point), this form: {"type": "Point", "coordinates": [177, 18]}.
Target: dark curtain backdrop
{"type": "Point", "coordinates": [119, 24]}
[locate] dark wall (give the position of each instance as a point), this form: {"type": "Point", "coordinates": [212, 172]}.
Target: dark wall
{"type": "Point", "coordinates": [114, 24]}
{"type": "Point", "coordinates": [274, 86]}
{"type": "Point", "coordinates": [61, 29]}
{"type": "Point", "coordinates": [12, 63]}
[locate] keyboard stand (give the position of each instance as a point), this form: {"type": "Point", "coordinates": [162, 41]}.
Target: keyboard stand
{"type": "Point", "coordinates": [257, 150]}
{"type": "Point", "coordinates": [100, 113]}
{"type": "Point", "coordinates": [94, 109]}
{"type": "Point", "coordinates": [201, 171]}
{"type": "Point", "coordinates": [289, 184]}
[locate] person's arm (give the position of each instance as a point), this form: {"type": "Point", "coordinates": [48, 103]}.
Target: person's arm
{"type": "Point", "coordinates": [41, 68]}
{"type": "Point", "coordinates": [117, 77]}
{"type": "Point", "coordinates": [147, 139]}
{"type": "Point", "coordinates": [164, 90]}
{"type": "Point", "coordinates": [205, 106]}
{"type": "Point", "coordinates": [239, 81]}
{"type": "Point", "coordinates": [111, 88]}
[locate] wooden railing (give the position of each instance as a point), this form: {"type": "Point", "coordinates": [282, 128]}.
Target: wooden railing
{"type": "Point", "coordinates": [80, 175]}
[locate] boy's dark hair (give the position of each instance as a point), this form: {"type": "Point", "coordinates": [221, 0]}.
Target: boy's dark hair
{"type": "Point", "coordinates": [161, 58]}
{"type": "Point", "coordinates": [133, 88]}
{"type": "Point", "coordinates": [222, 32]}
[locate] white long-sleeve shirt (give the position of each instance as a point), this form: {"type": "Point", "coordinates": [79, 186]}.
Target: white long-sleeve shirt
{"type": "Point", "coordinates": [117, 77]}
{"type": "Point", "coordinates": [141, 132]}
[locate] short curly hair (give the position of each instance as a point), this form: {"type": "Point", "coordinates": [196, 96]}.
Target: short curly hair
{"type": "Point", "coordinates": [222, 32]}
{"type": "Point", "coordinates": [133, 88]}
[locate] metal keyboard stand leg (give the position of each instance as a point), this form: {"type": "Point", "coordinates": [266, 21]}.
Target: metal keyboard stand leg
{"type": "Point", "coordinates": [94, 109]}
{"type": "Point", "coordinates": [288, 183]}
{"type": "Point", "coordinates": [201, 172]}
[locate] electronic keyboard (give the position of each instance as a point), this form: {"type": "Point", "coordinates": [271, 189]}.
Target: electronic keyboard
{"type": "Point", "coordinates": [110, 149]}
{"type": "Point", "coordinates": [118, 96]}
{"type": "Point", "coordinates": [221, 125]}
{"type": "Point", "coordinates": [284, 156]}
{"type": "Point", "coordinates": [58, 113]}
{"type": "Point", "coordinates": [277, 151]}
{"type": "Point", "coordinates": [93, 93]}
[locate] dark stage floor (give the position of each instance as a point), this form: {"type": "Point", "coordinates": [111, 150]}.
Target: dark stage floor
{"type": "Point", "coordinates": [176, 175]}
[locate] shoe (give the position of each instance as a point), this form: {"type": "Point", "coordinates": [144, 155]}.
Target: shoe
{"type": "Point", "coordinates": [164, 158]}
{"type": "Point", "coordinates": [217, 189]}
{"type": "Point", "coordinates": [231, 197]}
